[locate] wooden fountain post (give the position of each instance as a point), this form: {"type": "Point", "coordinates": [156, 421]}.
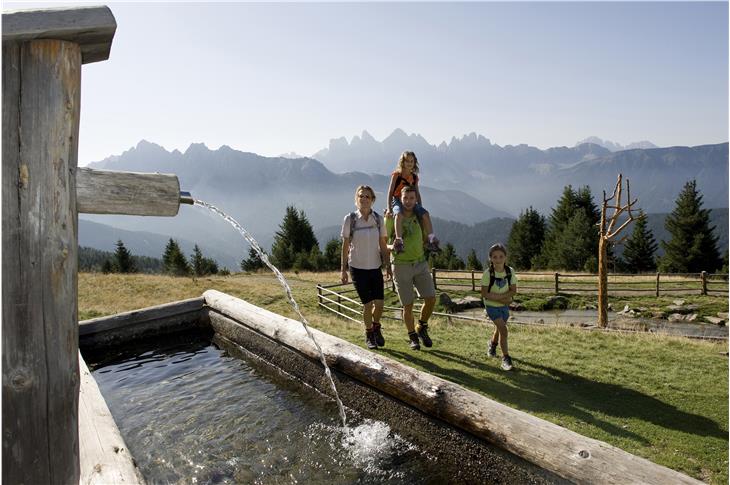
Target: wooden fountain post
{"type": "Point", "coordinates": [42, 56]}
{"type": "Point", "coordinates": [43, 51]}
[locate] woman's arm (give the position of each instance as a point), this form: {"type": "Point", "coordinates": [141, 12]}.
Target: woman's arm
{"type": "Point", "coordinates": [385, 256]}
{"type": "Point", "coordinates": [418, 194]}
{"type": "Point", "coordinates": [343, 259]}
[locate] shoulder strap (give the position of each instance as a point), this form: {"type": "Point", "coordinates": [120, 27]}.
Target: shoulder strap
{"type": "Point", "coordinates": [491, 279]}
{"type": "Point", "coordinates": [508, 270]}
{"type": "Point", "coordinates": [353, 219]}
{"type": "Point", "coordinates": [377, 220]}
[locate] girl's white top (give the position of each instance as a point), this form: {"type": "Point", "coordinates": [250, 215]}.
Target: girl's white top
{"type": "Point", "coordinates": [365, 242]}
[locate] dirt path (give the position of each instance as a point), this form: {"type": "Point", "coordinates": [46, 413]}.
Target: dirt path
{"type": "Point", "coordinates": [589, 319]}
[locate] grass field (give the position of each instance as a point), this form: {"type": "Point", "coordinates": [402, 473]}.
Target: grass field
{"type": "Point", "coordinates": [662, 398]}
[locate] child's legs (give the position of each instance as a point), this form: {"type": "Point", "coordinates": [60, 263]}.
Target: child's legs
{"type": "Point", "coordinates": [500, 332]}
{"type": "Point", "coordinates": [397, 208]}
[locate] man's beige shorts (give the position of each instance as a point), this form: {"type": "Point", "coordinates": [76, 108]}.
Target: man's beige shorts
{"type": "Point", "coordinates": [406, 276]}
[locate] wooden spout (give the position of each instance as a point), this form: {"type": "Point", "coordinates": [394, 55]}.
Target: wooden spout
{"type": "Point", "coordinates": [130, 193]}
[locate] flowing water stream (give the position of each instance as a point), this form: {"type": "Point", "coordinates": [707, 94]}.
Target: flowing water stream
{"type": "Point", "coordinates": [255, 245]}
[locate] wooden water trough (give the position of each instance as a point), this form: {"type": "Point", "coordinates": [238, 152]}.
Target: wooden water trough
{"type": "Point", "coordinates": [563, 455]}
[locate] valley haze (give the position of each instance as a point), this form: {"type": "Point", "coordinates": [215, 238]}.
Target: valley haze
{"type": "Point", "coordinates": [464, 184]}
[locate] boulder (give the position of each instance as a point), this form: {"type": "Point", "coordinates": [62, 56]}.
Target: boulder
{"type": "Point", "coordinates": [722, 315]}
{"type": "Point", "coordinates": [468, 302]}
{"type": "Point", "coordinates": [715, 320]}
{"type": "Point", "coordinates": [675, 317]}
{"type": "Point", "coordinates": [678, 302]}
{"type": "Point", "coordinates": [691, 318]}
{"type": "Point", "coordinates": [683, 308]}
{"type": "Point", "coordinates": [557, 302]}
{"type": "Point", "coordinates": [516, 307]}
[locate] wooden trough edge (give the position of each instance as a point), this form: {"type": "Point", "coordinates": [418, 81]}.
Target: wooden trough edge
{"type": "Point", "coordinates": [103, 455]}
{"type": "Point", "coordinates": [549, 446]}
{"type": "Point", "coordinates": [135, 324]}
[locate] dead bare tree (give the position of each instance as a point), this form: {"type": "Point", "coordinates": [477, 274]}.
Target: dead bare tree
{"type": "Point", "coordinates": [607, 233]}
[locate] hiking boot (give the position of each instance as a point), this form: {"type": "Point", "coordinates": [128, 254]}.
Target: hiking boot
{"type": "Point", "coordinates": [432, 246]}
{"type": "Point", "coordinates": [370, 339]}
{"type": "Point", "coordinates": [413, 336]}
{"type": "Point", "coordinates": [507, 362]}
{"type": "Point", "coordinates": [398, 245]}
{"type": "Point", "coordinates": [422, 329]}
{"type": "Point", "coordinates": [492, 350]}
{"type": "Point", "coordinates": [379, 339]}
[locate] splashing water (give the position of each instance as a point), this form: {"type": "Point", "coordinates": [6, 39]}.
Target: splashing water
{"type": "Point", "coordinates": [255, 245]}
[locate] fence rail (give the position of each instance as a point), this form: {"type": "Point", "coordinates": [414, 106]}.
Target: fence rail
{"type": "Point", "coordinates": [667, 283]}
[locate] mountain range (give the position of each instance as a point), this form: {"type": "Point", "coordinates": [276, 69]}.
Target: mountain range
{"type": "Point", "coordinates": [467, 181]}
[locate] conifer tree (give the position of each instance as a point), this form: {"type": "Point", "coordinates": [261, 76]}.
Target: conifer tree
{"type": "Point", "coordinates": [693, 244]}
{"type": "Point", "coordinates": [174, 260]}
{"type": "Point", "coordinates": [107, 266]}
{"type": "Point", "coordinates": [123, 262]}
{"type": "Point", "coordinates": [294, 237]}
{"type": "Point", "coordinates": [472, 261]}
{"type": "Point", "coordinates": [254, 261]}
{"type": "Point", "coordinates": [526, 238]}
{"type": "Point", "coordinates": [640, 248]}
{"type": "Point", "coordinates": [577, 214]}
{"type": "Point", "coordinates": [333, 254]}
{"type": "Point", "coordinates": [447, 259]}
{"type": "Point", "coordinates": [197, 262]}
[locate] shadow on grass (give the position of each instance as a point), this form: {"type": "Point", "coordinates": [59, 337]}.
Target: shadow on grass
{"type": "Point", "coordinates": [537, 388]}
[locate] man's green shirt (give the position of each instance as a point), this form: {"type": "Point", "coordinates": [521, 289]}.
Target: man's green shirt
{"type": "Point", "coordinates": [412, 240]}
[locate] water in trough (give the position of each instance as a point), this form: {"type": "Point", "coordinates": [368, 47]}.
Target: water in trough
{"type": "Point", "coordinates": [190, 411]}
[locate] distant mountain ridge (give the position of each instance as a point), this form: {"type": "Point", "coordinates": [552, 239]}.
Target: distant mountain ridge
{"type": "Point", "coordinates": [476, 181]}
{"type": "Point", "coordinates": [511, 178]}
{"type": "Point", "coordinates": [617, 147]}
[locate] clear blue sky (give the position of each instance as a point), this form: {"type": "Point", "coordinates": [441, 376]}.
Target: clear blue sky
{"type": "Point", "coordinates": [275, 78]}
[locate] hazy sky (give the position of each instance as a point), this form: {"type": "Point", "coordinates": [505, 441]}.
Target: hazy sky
{"type": "Point", "coordinates": [275, 78]}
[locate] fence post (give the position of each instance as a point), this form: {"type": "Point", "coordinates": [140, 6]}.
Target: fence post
{"type": "Point", "coordinates": [473, 286]}
{"type": "Point", "coordinates": [557, 285]}
{"type": "Point", "coordinates": [433, 275]}
{"type": "Point", "coordinates": [703, 278]}
{"type": "Point", "coordinates": [657, 284]}
{"type": "Point", "coordinates": [319, 294]}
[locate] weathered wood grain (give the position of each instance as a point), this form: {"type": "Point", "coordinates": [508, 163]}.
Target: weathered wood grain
{"type": "Point", "coordinates": [130, 193]}
{"type": "Point", "coordinates": [103, 455]}
{"type": "Point", "coordinates": [41, 81]}
{"type": "Point", "coordinates": [92, 28]}
{"type": "Point", "coordinates": [138, 324]}
{"type": "Point", "coordinates": [564, 452]}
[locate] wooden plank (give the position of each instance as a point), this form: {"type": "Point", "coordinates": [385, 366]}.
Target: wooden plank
{"type": "Point", "coordinates": [103, 455]}
{"type": "Point", "coordinates": [130, 193]}
{"type": "Point", "coordinates": [139, 324]}
{"type": "Point", "coordinates": [92, 28]}
{"type": "Point", "coordinates": [39, 329]}
{"type": "Point", "coordinates": [549, 446]}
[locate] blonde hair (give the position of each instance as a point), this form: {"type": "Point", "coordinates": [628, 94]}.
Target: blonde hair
{"type": "Point", "coordinates": [402, 159]}
{"type": "Point", "coordinates": [365, 188]}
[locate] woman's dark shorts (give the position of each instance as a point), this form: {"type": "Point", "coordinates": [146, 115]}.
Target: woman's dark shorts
{"type": "Point", "coordinates": [368, 283]}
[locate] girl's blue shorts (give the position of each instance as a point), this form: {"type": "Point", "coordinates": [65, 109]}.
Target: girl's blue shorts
{"type": "Point", "coordinates": [495, 312]}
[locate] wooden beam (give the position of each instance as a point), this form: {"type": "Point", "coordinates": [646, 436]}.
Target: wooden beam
{"type": "Point", "coordinates": [130, 193]}
{"type": "Point", "coordinates": [137, 324]}
{"type": "Point", "coordinates": [564, 452]}
{"type": "Point", "coordinates": [92, 28]}
{"type": "Point", "coordinates": [41, 83]}
{"type": "Point", "coordinates": [103, 455]}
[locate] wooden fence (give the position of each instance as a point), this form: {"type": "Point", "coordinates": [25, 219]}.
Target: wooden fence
{"type": "Point", "coordinates": [618, 284]}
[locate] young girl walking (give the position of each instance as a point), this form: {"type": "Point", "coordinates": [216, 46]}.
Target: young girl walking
{"type": "Point", "coordinates": [499, 285]}
{"type": "Point", "coordinates": [406, 174]}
